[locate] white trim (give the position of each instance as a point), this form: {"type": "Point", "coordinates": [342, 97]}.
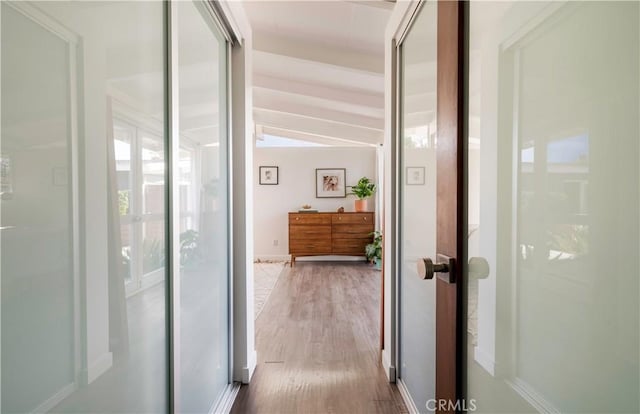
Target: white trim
{"type": "Point", "coordinates": [237, 20]}
{"type": "Point", "coordinates": [532, 396]}
{"type": "Point", "coordinates": [485, 360]}
{"type": "Point", "coordinates": [0, 222]}
{"type": "Point", "coordinates": [252, 363]}
{"type": "Point", "coordinates": [331, 259]}
{"type": "Point", "coordinates": [389, 368]}
{"type": "Point", "coordinates": [398, 24]}
{"type": "Point", "coordinates": [532, 24]}
{"type": "Point", "coordinates": [225, 402]}
{"type": "Point", "coordinates": [173, 207]}
{"type": "Point", "coordinates": [56, 399]}
{"type": "Point", "coordinates": [45, 21]}
{"type": "Point", "coordinates": [99, 367]}
{"type": "Point", "coordinates": [406, 396]}
{"type": "Point", "coordinates": [241, 147]}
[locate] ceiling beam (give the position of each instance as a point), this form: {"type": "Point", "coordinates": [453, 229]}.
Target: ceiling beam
{"type": "Point", "coordinates": [327, 93]}
{"type": "Point", "coordinates": [379, 4]}
{"type": "Point", "coordinates": [318, 139]}
{"type": "Point", "coordinates": [320, 127]}
{"type": "Point", "coordinates": [314, 112]}
{"type": "Point", "coordinates": [318, 52]}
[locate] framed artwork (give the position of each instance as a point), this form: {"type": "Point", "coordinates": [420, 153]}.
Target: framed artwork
{"type": "Point", "coordinates": [331, 183]}
{"type": "Point", "coordinates": [415, 176]}
{"type": "Point", "coordinates": [268, 175]}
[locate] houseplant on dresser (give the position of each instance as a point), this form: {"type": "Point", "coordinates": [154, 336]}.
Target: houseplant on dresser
{"type": "Point", "coordinates": [363, 190]}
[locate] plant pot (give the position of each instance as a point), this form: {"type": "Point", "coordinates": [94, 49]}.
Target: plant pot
{"type": "Point", "coordinates": [361, 206]}
{"type": "Point", "coordinates": [377, 264]}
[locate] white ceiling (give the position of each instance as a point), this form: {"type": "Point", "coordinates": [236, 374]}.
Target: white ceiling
{"type": "Point", "coordinates": [319, 69]}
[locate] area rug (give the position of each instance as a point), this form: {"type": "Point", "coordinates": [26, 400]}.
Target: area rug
{"type": "Point", "coordinates": [265, 276]}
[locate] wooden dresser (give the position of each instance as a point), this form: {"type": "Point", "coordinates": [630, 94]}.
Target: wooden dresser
{"type": "Point", "coordinates": [322, 234]}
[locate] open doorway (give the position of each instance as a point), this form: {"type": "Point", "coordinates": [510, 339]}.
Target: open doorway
{"type": "Point", "coordinates": [318, 108]}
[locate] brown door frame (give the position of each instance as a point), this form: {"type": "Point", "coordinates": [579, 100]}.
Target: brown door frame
{"type": "Point", "coordinates": [451, 203]}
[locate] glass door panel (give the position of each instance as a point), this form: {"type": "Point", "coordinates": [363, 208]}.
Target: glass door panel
{"type": "Point", "coordinates": [39, 334]}
{"type": "Point", "coordinates": [554, 94]}
{"type": "Point", "coordinates": [203, 209]}
{"type": "Point", "coordinates": [73, 341]}
{"type": "Point", "coordinates": [417, 213]}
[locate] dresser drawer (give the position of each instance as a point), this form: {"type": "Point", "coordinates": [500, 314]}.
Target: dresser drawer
{"type": "Point", "coordinates": [353, 231]}
{"type": "Point", "coordinates": [311, 247]}
{"type": "Point", "coordinates": [354, 247]}
{"type": "Point", "coordinates": [309, 218]}
{"type": "Point", "coordinates": [356, 218]}
{"type": "Point", "coordinates": [307, 232]}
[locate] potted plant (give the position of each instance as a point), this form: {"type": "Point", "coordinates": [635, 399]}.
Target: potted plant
{"type": "Point", "coordinates": [373, 251]}
{"type": "Point", "coordinates": [363, 190]}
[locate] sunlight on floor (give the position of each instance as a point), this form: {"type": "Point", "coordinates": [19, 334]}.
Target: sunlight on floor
{"type": "Point", "coordinates": [265, 277]}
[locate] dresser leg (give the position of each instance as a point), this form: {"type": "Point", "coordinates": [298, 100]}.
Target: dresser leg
{"type": "Point", "coordinates": [293, 260]}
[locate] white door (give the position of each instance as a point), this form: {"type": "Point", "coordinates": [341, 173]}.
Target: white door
{"type": "Point", "coordinates": [553, 155]}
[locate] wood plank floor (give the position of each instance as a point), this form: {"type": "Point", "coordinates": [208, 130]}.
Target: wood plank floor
{"type": "Point", "coordinates": [317, 342]}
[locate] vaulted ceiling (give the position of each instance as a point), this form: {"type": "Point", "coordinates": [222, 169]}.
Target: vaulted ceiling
{"type": "Point", "coordinates": [319, 70]}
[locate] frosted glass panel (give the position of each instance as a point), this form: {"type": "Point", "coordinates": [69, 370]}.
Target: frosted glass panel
{"type": "Point", "coordinates": [418, 205]}
{"type": "Point", "coordinates": [38, 302]}
{"type": "Point", "coordinates": [554, 94]}
{"type": "Point", "coordinates": [203, 210]}
{"type": "Point", "coordinates": [83, 293]}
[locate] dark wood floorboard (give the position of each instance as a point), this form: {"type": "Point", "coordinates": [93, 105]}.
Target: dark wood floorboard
{"type": "Point", "coordinates": [317, 341]}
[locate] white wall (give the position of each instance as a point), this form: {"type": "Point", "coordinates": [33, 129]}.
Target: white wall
{"type": "Point", "coordinates": [244, 352]}
{"type": "Point", "coordinates": [297, 169]}
{"type": "Point", "coordinates": [397, 21]}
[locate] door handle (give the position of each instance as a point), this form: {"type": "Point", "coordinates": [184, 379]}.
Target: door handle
{"type": "Point", "coordinates": [426, 268]}
{"type": "Point", "coordinates": [444, 266]}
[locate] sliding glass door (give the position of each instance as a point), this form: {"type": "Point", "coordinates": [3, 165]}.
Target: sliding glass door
{"type": "Point", "coordinates": [83, 208]}
{"type": "Point", "coordinates": [417, 188]}
{"type": "Point", "coordinates": [201, 186]}
{"type": "Point", "coordinates": [89, 296]}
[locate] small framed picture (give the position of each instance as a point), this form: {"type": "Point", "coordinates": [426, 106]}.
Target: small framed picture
{"type": "Point", "coordinates": [415, 176]}
{"type": "Point", "coordinates": [268, 175]}
{"type": "Point", "coordinates": [330, 183]}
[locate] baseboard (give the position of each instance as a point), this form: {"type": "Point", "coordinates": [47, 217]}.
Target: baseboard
{"type": "Point", "coordinates": [408, 401]}
{"type": "Point", "coordinates": [267, 258]}
{"type": "Point", "coordinates": [271, 258]}
{"type": "Point", "coordinates": [331, 259]}
{"type": "Point", "coordinates": [247, 372]}
{"type": "Point", "coordinates": [485, 361]}
{"type": "Point", "coordinates": [99, 367]}
{"type": "Point", "coordinates": [532, 396]}
{"type": "Point", "coordinates": [389, 369]}
{"type": "Point", "coordinates": [56, 398]}
{"type": "Point", "coordinates": [226, 400]}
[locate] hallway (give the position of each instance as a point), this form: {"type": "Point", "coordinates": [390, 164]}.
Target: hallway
{"type": "Point", "coordinates": [317, 342]}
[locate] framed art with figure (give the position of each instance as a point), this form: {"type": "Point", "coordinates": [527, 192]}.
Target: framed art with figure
{"type": "Point", "coordinates": [330, 183]}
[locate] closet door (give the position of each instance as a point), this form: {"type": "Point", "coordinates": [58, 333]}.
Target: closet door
{"type": "Point", "coordinates": [201, 202]}
{"type": "Point", "coordinates": [81, 202]}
